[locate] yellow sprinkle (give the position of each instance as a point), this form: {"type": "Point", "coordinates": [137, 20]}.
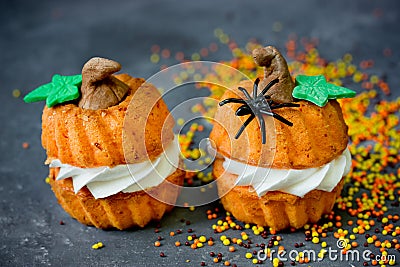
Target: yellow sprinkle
{"type": "Point", "coordinates": [249, 255]}
{"type": "Point", "coordinates": [16, 93]}
{"type": "Point", "coordinates": [207, 160]}
{"type": "Point", "coordinates": [197, 77]}
{"type": "Point", "coordinates": [224, 39]}
{"type": "Point", "coordinates": [180, 121]}
{"type": "Point", "coordinates": [202, 239]}
{"type": "Point", "coordinates": [218, 32]}
{"type": "Point", "coordinates": [315, 240]}
{"type": "Point", "coordinates": [154, 58]}
{"type": "Point", "coordinates": [255, 261]}
{"type": "Point", "coordinates": [226, 242]}
{"type": "Point", "coordinates": [97, 245]}
{"type": "Point", "coordinates": [196, 56]}
{"type": "Point", "coordinates": [47, 180]}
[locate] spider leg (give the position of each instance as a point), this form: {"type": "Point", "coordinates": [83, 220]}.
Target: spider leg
{"type": "Point", "coordinates": [243, 110]}
{"type": "Point", "coordinates": [244, 91]}
{"type": "Point", "coordinates": [277, 116]}
{"type": "Point", "coordinates": [255, 86]}
{"type": "Point", "coordinates": [269, 85]}
{"type": "Point", "coordinates": [292, 105]}
{"type": "Point", "coordinates": [249, 119]}
{"type": "Point", "coordinates": [262, 127]}
{"type": "Point", "coordinates": [232, 100]}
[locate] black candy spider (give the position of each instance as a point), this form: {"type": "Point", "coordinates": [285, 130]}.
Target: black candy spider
{"type": "Point", "coordinates": [256, 106]}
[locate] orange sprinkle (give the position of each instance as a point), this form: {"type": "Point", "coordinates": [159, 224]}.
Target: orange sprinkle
{"type": "Point", "coordinates": [165, 53]}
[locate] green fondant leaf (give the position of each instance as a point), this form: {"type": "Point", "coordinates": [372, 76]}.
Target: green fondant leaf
{"type": "Point", "coordinates": [61, 89]}
{"type": "Point", "coordinates": [316, 90]}
{"type": "Point", "coordinates": [314, 94]}
{"type": "Point", "coordinates": [336, 92]}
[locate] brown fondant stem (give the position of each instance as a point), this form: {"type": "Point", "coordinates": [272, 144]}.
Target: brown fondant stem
{"type": "Point", "coordinates": [100, 89]}
{"type": "Point", "coordinates": [275, 66]}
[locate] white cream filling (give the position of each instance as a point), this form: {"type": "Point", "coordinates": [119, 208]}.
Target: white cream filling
{"type": "Point", "coordinates": [292, 181]}
{"type": "Point", "coordinates": [105, 181]}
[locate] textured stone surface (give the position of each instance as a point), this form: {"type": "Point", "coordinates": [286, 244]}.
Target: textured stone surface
{"type": "Point", "coordinates": [39, 39]}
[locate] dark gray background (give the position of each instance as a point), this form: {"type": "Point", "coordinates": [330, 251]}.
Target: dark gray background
{"type": "Point", "coordinates": [40, 38]}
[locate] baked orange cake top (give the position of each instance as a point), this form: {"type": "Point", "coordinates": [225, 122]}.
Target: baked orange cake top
{"type": "Point", "coordinates": [318, 134]}
{"type": "Point", "coordinates": [129, 132]}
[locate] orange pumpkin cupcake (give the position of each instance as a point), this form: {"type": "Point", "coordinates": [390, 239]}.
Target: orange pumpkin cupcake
{"type": "Point", "coordinates": [114, 160]}
{"type": "Point", "coordinates": [282, 146]}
